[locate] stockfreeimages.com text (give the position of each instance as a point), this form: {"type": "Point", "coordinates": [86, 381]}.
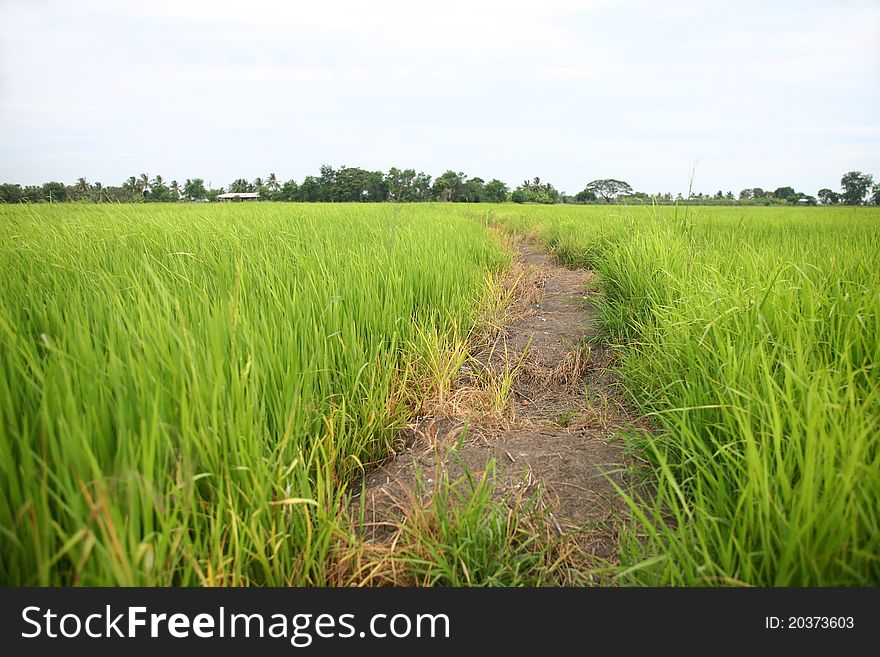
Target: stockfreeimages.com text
{"type": "Point", "coordinates": [300, 629]}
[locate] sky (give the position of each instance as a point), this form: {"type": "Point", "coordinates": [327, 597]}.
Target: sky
{"type": "Point", "coordinates": [742, 94]}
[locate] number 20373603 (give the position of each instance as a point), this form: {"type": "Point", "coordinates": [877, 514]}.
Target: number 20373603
{"type": "Point", "coordinates": [809, 622]}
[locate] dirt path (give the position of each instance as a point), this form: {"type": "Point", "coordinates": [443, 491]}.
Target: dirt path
{"type": "Point", "coordinates": [539, 401]}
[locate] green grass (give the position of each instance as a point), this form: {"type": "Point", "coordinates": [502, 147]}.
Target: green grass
{"type": "Point", "coordinates": [465, 531]}
{"type": "Point", "coordinates": [752, 338]}
{"type": "Point", "coordinates": [187, 391]}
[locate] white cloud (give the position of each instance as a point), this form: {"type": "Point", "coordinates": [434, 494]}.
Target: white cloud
{"type": "Point", "coordinates": [572, 72]}
{"type": "Point", "coordinates": [508, 88]}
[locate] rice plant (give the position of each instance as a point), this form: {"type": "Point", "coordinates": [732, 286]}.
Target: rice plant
{"type": "Point", "coordinates": [187, 391]}
{"type": "Point", "coordinates": [751, 337]}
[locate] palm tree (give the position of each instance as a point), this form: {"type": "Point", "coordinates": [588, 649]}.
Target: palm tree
{"type": "Point", "coordinates": [144, 182]}
{"type": "Point", "coordinates": [158, 181]}
{"type": "Point", "coordinates": [82, 187]}
{"type": "Point", "coordinates": [175, 189]}
{"type": "Point", "coordinates": [240, 185]}
{"type": "Point", "coordinates": [130, 186]}
{"type": "Point", "coordinates": [272, 182]}
{"type": "Point", "coordinates": [258, 182]}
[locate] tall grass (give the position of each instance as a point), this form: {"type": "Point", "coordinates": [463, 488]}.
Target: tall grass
{"type": "Point", "coordinates": [187, 391]}
{"type": "Point", "coordinates": [752, 338]}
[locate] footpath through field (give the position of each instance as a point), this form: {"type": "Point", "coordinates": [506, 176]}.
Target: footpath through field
{"type": "Point", "coordinates": [539, 401]}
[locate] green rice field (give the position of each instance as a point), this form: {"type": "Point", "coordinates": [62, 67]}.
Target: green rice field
{"type": "Point", "coordinates": [189, 393]}
{"type": "Point", "coordinates": [186, 391]}
{"type": "Point", "coordinates": [751, 338]}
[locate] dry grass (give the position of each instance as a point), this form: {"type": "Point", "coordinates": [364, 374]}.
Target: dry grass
{"type": "Point", "coordinates": [450, 381]}
{"type": "Point", "coordinates": [462, 526]}
{"type": "Point", "coordinates": [567, 372]}
{"type": "Point", "coordinates": [465, 531]}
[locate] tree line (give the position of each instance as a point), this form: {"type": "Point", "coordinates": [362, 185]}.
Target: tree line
{"type": "Point", "coordinates": [353, 184]}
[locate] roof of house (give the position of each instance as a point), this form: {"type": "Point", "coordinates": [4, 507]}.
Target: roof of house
{"type": "Point", "coordinates": [240, 195]}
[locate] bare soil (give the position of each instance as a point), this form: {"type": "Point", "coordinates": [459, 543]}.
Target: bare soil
{"type": "Point", "coordinates": [558, 429]}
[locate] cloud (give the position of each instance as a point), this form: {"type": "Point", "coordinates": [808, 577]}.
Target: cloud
{"type": "Point", "coordinates": [241, 76]}
{"type": "Point", "coordinates": [571, 72]}
{"type": "Point", "coordinates": [564, 89]}
{"type": "Point", "coordinates": [390, 27]}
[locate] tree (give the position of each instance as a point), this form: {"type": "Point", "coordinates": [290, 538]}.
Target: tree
{"type": "Point", "coordinates": [326, 182]}
{"type": "Point", "coordinates": [422, 187]}
{"type": "Point", "coordinates": [10, 193]}
{"type": "Point", "coordinates": [159, 191]}
{"type": "Point", "coordinates": [144, 185]}
{"type": "Point", "coordinates": [289, 191]}
{"type": "Point", "coordinates": [495, 191]}
{"type": "Point", "coordinates": [353, 184]}
{"type": "Point", "coordinates": [407, 186]}
{"type": "Point", "coordinates": [32, 194]}
{"type": "Point", "coordinates": [272, 183]}
{"type": "Point", "coordinates": [828, 197]}
{"type": "Point", "coordinates": [785, 194]}
{"type": "Point", "coordinates": [586, 196]}
{"type": "Point", "coordinates": [309, 189]}
{"type": "Point", "coordinates": [194, 189]}
{"type": "Point", "coordinates": [473, 190]}
{"type": "Point", "coordinates": [608, 189]}
{"type": "Point", "coordinates": [375, 186]}
{"type": "Point", "coordinates": [54, 192]}
{"type": "Point", "coordinates": [399, 184]}
{"type": "Point", "coordinates": [174, 188]}
{"type": "Point", "coordinates": [240, 186]}
{"type": "Point", "coordinates": [131, 187]}
{"type": "Point", "coordinates": [855, 186]}
{"type": "Point", "coordinates": [745, 195]}
{"type": "Point", "coordinates": [82, 188]}
{"type": "Point", "coordinates": [875, 195]}
{"type": "Point", "coordinates": [449, 187]}
{"type": "Point", "coordinates": [535, 191]}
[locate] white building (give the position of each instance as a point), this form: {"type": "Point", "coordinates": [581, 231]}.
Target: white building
{"type": "Point", "coordinates": [239, 196]}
